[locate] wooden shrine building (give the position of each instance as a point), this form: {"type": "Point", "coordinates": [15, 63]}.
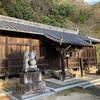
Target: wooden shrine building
{"type": "Point", "coordinates": [18, 35]}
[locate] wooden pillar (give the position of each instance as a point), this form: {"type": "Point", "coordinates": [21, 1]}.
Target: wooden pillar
{"type": "Point", "coordinates": [88, 50]}
{"type": "Point", "coordinates": [62, 51]}
{"type": "Point", "coordinates": [81, 66]}
{"type": "Point", "coordinates": [95, 55]}
{"type": "Point", "coordinates": [6, 50]}
{"type": "Point", "coordinates": [67, 62]}
{"type": "Point", "coordinates": [62, 65]}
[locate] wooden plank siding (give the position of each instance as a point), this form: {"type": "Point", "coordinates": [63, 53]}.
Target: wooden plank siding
{"type": "Point", "coordinates": [2, 55]}
{"type": "Point", "coordinates": [12, 50]}
{"type": "Point", "coordinates": [73, 63]}
{"type": "Point", "coordinates": [13, 46]}
{"type": "Point", "coordinates": [86, 54]}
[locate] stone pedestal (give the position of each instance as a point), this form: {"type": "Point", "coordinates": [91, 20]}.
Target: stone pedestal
{"type": "Point", "coordinates": [31, 84]}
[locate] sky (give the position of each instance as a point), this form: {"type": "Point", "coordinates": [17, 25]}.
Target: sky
{"type": "Point", "coordinates": [92, 1]}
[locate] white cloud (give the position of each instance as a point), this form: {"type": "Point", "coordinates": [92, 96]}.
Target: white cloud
{"type": "Point", "coordinates": [92, 1]}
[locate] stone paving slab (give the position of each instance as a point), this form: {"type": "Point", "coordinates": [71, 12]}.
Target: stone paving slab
{"type": "Point", "coordinates": [58, 85]}
{"type": "Point", "coordinates": [32, 97]}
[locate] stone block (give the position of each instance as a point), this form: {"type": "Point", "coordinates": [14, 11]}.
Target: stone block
{"type": "Point", "coordinates": [30, 77]}
{"type": "Point", "coordinates": [30, 88]}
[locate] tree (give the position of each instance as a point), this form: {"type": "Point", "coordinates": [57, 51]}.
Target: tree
{"type": "Point", "coordinates": [22, 11]}
{"type": "Point", "coordinates": [2, 10]}
{"type": "Point", "coordinates": [61, 9]}
{"type": "Point", "coordinates": [8, 3]}
{"type": "Point", "coordinates": [41, 5]}
{"type": "Point", "coordinates": [82, 17]}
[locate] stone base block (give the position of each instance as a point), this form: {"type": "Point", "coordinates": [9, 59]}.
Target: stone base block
{"type": "Point", "coordinates": [25, 96]}
{"type": "Point", "coordinates": [30, 77]}
{"type": "Point", "coordinates": [30, 88]}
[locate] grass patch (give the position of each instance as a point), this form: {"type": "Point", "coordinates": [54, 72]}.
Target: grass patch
{"type": "Point", "coordinates": [69, 91]}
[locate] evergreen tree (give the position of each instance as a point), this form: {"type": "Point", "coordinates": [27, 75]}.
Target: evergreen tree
{"type": "Point", "coordinates": [2, 10]}
{"type": "Point", "coordinates": [82, 17]}
{"type": "Point", "coordinates": [22, 11]}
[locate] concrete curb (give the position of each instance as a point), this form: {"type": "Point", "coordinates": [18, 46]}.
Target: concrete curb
{"type": "Point", "coordinates": [33, 97]}
{"type": "Point", "coordinates": [89, 85]}
{"type": "Point", "coordinates": [81, 84]}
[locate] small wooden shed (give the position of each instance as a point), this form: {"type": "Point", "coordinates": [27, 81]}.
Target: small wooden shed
{"type": "Point", "coordinates": [18, 35]}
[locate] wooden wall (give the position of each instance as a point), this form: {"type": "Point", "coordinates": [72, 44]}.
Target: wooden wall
{"type": "Point", "coordinates": [89, 56]}
{"type": "Point", "coordinates": [2, 55]}
{"type": "Point", "coordinates": [86, 54]}
{"type": "Point", "coordinates": [13, 46]}
{"type": "Point", "coordinates": [12, 50]}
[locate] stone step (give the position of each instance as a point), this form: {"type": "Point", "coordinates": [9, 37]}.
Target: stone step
{"type": "Point", "coordinates": [91, 83]}
{"type": "Point", "coordinates": [79, 83]}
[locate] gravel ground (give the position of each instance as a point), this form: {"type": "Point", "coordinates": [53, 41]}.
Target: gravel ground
{"type": "Point", "coordinates": [73, 96]}
{"type": "Point", "coordinates": [94, 90]}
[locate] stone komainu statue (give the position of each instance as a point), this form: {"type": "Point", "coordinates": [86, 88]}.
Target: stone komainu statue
{"type": "Point", "coordinates": [30, 81]}
{"type": "Point", "coordinates": [29, 62]}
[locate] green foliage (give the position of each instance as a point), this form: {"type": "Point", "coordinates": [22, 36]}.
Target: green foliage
{"type": "Point", "coordinates": [82, 17]}
{"type": "Point", "coordinates": [41, 6]}
{"type": "Point", "coordinates": [1, 4]}
{"type": "Point", "coordinates": [97, 30]}
{"type": "Point", "coordinates": [98, 48]}
{"type": "Point", "coordinates": [27, 12]}
{"type": "Point", "coordinates": [57, 14]}
{"type": "Point", "coordinates": [50, 21]}
{"type": "Point", "coordinates": [61, 13]}
{"type": "Point", "coordinates": [88, 14]}
{"type": "Point", "coordinates": [2, 10]}
{"type": "Point", "coordinates": [8, 3]}
{"type": "Point", "coordinates": [61, 9]}
{"type": "Point", "coordinates": [22, 11]}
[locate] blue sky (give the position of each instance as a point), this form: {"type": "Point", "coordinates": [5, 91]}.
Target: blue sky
{"type": "Point", "coordinates": [92, 1]}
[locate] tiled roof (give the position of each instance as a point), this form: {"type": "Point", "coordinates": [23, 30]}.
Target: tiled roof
{"type": "Point", "coordinates": [54, 35]}
{"type": "Point", "coordinates": [35, 24]}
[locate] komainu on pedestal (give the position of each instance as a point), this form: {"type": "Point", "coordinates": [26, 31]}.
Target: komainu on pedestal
{"type": "Point", "coordinates": [31, 83]}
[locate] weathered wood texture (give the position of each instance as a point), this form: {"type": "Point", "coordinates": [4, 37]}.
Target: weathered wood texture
{"type": "Point", "coordinates": [11, 54]}
{"type": "Point", "coordinates": [13, 46]}
{"type": "Point", "coordinates": [2, 55]}
{"type": "Point", "coordinates": [87, 55]}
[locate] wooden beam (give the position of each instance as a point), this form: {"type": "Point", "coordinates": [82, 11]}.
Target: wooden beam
{"type": "Point", "coordinates": [66, 48]}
